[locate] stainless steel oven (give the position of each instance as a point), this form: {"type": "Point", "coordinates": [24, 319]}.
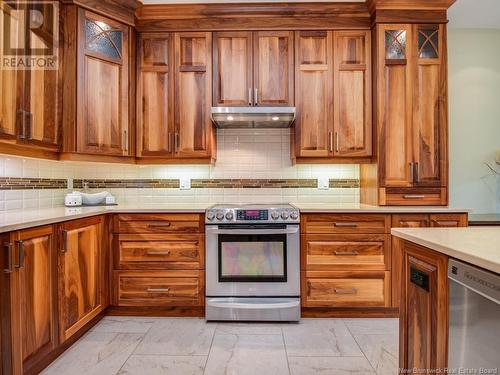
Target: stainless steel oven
{"type": "Point", "coordinates": [253, 263]}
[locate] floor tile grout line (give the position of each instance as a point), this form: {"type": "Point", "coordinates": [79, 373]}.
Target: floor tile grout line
{"type": "Point", "coordinates": [130, 355]}
{"type": "Point", "coordinates": [210, 349]}
{"type": "Point", "coordinates": [286, 352]}
{"type": "Point", "coordinates": [360, 348]}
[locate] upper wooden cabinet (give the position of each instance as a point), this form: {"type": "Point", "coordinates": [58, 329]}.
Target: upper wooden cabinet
{"type": "Point", "coordinates": [352, 94]}
{"type": "Point", "coordinates": [253, 68]}
{"type": "Point", "coordinates": [412, 114]}
{"type": "Point", "coordinates": [29, 98]}
{"type": "Point", "coordinates": [332, 95]}
{"type": "Point", "coordinates": [29, 300]}
{"type": "Point", "coordinates": [96, 110]}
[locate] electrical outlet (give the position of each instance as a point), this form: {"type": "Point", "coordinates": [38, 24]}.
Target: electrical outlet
{"type": "Point", "coordinates": [323, 183]}
{"type": "Point", "coordinates": [185, 183]}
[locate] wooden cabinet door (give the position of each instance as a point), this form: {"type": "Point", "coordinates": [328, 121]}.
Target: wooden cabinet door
{"type": "Point", "coordinates": [81, 274]}
{"type": "Point", "coordinates": [273, 68]}
{"type": "Point", "coordinates": [352, 94]}
{"type": "Point", "coordinates": [313, 94]}
{"type": "Point", "coordinates": [394, 105]}
{"type": "Point", "coordinates": [103, 87]}
{"type": "Point", "coordinates": [33, 328]}
{"type": "Point", "coordinates": [429, 105]}
{"type": "Point", "coordinates": [155, 95]}
{"type": "Point", "coordinates": [232, 58]}
{"type": "Point", "coordinates": [424, 310]}
{"type": "Point", "coordinates": [193, 87]}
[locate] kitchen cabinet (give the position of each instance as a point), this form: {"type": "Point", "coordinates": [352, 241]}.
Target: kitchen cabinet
{"type": "Point", "coordinates": [412, 114]}
{"type": "Point", "coordinates": [332, 95]}
{"type": "Point", "coordinates": [29, 318]}
{"type": "Point", "coordinates": [97, 90]}
{"type": "Point", "coordinates": [423, 325]}
{"type": "Point", "coordinates": [82, 274]}
{"type": "Point", "coordinates": [193, 129]}
{"type": "Point", "coordinates": [263, 63]}
{"type": "Point", "coordinates": [352, 94]}
{"type": "Point", "coordinates": [30, 98]}
{"type": "Point", "coordinates": [155, 95]}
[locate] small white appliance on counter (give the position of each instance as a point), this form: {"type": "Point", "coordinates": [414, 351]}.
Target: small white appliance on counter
{"type": "Point", "coordinates": [77, 198]}
{"type": "Point", "coordinates": [252, 263]}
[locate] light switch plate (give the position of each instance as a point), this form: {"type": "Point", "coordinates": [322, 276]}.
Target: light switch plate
{"type": "Point", "coordinates": [323, 183]}
{"type": "Point", "coordinates": [185, 183]}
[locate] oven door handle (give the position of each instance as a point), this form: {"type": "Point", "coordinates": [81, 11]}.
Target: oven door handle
{"type": "Point", "coordinates": [211, 230]}
{"type": "Point", "coordinates": [260, 306]}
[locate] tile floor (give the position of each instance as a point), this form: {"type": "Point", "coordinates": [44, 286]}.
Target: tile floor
{"type": "Point", "coordinates": [190, 346]}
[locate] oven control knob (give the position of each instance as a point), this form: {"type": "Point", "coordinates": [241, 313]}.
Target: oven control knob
{"type": "Point", "coordinates": [220, 215]}
{"type": "Point", "coordinates": [294, 215]}
{"type": "Point", "coordinates": [284, 215]}
{"type": "Point", "coordinates": [275, 215]}
{"type": "Point", "coordinates": [210, 215]}
{"type": "Point", "coordinates": [229, 215]}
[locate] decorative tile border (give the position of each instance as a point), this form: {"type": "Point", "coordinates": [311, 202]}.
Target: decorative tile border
{"type": "Point", "coordinates": [7, 183]}
{"type": "Point", "coordinates": [11, 183]}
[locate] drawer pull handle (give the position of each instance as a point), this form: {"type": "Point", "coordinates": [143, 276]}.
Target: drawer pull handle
{"type": "Point", "coordinates": [346, 253]}
{"type": "Point", "coordinates": [158, 252]}
{"type": "Point", "coordinates": [412, 196]}
{"type": "Point", "coordinates": [443, 223]}
{"type": "Point", "coordinates": [9, 268]}
{"type": "Point", "coordinates": [345, 225]}
{"type": "Point", "coordinates": [164, 225]}
{"type": "Point", "coordinates": [158, 290]}
{"type": "Point", "coordinates": [346, 291]}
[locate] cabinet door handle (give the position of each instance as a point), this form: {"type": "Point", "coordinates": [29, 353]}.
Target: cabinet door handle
{"type": "Point", "coordinates": [125, 140]}
{"type": "Point", "coordinates": [152, 252]}
{"type": "Point", "coordinates": [9, 268]}
{"type": "Point", "coordinates": [330, 141]}
{"type": "Point", "coordinates": [347, 253]}
{"type": "Point", "coordinates": [337, 142]}
{"type": "Point", "coordinates": [158, 290]}
{"type": "Point", "coordinates": [412, 172]}
{"type": "Point", "coordinates": [250, 101]}
{"type": "Point", "coordinates": [169, 141]}
{"type": "Point", "coordinates": [413, 196]}
{"type": "Point", "coordinates": [417, 172]}
{"type": "Point", "coordinates": [64, 247]}
{"type": "Point", "coordinates": [256, 97]}
{"type": "Point", "coordinates": [346, 291]}
{"type": "Point", "coordinates": [345, 225]}
{"type": "Point", "coordinates": [177, 141]}
{"type": "Point", "coordinates": [21, 254]}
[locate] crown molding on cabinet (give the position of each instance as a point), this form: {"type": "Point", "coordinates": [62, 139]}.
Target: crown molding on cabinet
{"type": "Point", "coordinates": [120, 10]}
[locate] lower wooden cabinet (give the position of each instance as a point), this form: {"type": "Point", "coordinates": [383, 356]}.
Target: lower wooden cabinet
{"type": "Point", "coordinates": [82, 274]}
{"type": "Point", "coordinates": [423, 324]}
{"type": "Point", "coordinates": [346, 289]}
{"type": "Point", "coordinates": [28, 303]}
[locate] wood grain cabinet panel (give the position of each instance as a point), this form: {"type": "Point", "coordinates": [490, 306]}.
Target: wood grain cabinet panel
{"type": "Point", "coordinates": [155, 96]}
{"type": "Point", "coordinates": [424, 310]}
{"type": "Point", "coordinates": [448, 220]}
{"type": "Point", "coordinates": [193, 88]}
{"type": "Point", "coordinates": [30, 296]}
{"type": "Point", "coordinates": [346, 252]}
{"type": "Point", "coordinates": [232, 55]}
{"type": "Point", "coordinates": [346, 223]}
{"type": "Point", "coordinates": [273, 68]}
{"type": "Point", "coordinates": [159, 223]}
{"type": "Point", "coordinates": [346, 289]}
{"type": "Point", "coordinates": [81, 274]}
{"type": "Point", "coordinates": [352, 94]}
{"type": "Point", "coordinates": [313, 94]}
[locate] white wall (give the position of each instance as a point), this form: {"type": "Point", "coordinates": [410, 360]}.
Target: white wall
{"type": "Point", "coordinates": [474, 92]}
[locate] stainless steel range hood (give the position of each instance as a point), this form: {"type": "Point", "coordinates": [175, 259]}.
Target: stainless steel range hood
{"type": "Point", "coordinates": [253, 117]}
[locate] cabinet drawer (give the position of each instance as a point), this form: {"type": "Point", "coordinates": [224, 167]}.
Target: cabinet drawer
{"type": "Point", "coordinates": [346, 289]}
{"type": "Point", "coordinates": [448, 220]}
{"type": "Point", "coordinates": [410, 221]}
{"type": "Point", "coordinates": [159, 288]}
{"type": "Point", "coordinates": [159, 251]}
{"type": "Point", "coordinates": [415, 197]}
{"type": "Point", "coordinates": [345, 223]}
{"type": "Point", "coordinates": [346, 252]}
{"type": "Point", "coordinates": [159, 223]}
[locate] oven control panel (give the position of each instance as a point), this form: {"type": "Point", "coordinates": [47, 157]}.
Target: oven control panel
{"type": "Point", "coordinates": [285, 214]}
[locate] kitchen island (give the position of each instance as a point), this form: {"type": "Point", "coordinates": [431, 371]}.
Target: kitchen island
{"type": "Point", "coordinates": [437, 303]}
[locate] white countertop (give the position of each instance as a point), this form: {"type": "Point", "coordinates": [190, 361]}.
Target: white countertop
{"type": "Point", "coordinates": [21, 219]}
{"type": "Point", "coordinates": [479, 246]}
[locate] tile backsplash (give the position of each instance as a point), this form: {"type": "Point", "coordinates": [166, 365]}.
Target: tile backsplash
{"type": "Point", "coordinates": [246, 154]}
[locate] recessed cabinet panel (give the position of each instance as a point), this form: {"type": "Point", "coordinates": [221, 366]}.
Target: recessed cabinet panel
{"type": "Point", "coordinates": [273, 68]}
{"type": "Point", "coordinates": [233, 84]}
{"type": "Point", "coordinates": [313, 93]}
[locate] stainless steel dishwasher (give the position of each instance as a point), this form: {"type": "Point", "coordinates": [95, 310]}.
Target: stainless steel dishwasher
{"type": "Point", "coordinates": [474, 327]}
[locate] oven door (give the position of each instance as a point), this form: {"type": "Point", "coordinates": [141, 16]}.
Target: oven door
{"type": "Point", "coordinates": [252, 260]}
